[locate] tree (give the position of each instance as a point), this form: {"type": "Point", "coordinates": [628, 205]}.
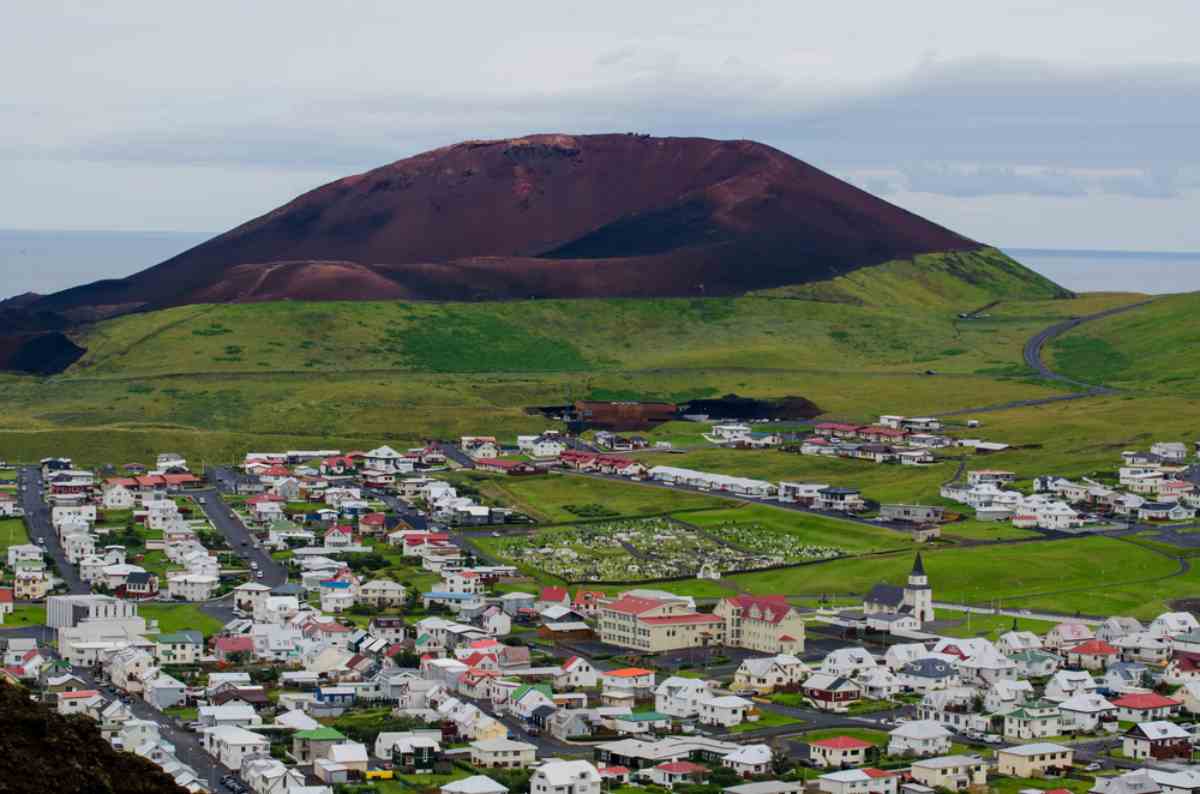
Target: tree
{"type": "Point", "coordinates": [515, 780]}
{"type": "Point", "coordinates": [724, 777]}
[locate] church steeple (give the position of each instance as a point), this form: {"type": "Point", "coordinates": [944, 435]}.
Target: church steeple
{"type": "Point", "coordinates": [918, 568]}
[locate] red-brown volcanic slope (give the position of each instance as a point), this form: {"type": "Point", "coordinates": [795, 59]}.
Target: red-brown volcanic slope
{"type": "Point", "coordinates": [544, 216]}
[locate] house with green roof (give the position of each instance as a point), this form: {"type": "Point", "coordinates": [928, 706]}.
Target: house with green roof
{"type": "Point", "coordinates": [179, 647]}
{"type": "Point", "coordinates": [1035, 663]}
{"type": "Point", "coordinates": [637, 722]}
{"type": "Point", "coordinates": [1036, 719]}
{"type": "Point", "coordinates": [308, 746]}
{"type": "Point", "coordinates": [527, 698]}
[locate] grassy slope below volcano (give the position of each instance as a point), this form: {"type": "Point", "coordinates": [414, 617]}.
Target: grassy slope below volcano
{"type": "Point", "coordinates": [1153, 348]}
{"type": "Point", "coordinates": [195, 377]}
{"type": "Point", "coordinates": [882, 318]}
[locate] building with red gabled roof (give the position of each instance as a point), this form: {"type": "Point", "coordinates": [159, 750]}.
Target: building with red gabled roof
{"type": "Point", "coordinates": [502, 466]}
{"type": "Point", "coordinates": [654, 625]}
{"type": "Point", "coordinates": [671, 773]}
{"type": "Point", "coordinates": [838, 752]}
{"type": "Point", "coordinates": [225, 647]}
{"type": "Point", "coordinates": [553, 596]}
{"type": "Point", "coordinates": [1092, 655]}
{"type": "Point", "coordinates": [768, 624]}
{"type": "Point", "coordinates": [587, 602]}
{"type": "Point", "coordinates": [1145, 707]}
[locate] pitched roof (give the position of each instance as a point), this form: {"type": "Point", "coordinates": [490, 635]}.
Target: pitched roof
{"type": "Point", "coordinates": [841, 743]}
{"type": "Point", "coordinates": [1144, 700]}
{"type": "Point", "coordinates": [628, 672]}
{"type": "Point", "coordinates": [1094, 648]}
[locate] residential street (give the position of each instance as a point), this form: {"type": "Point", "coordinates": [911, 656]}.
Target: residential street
{"type": "Point", "coordinates": [188, 747]}
{"type": "Point", "coordinates": [37, 518]}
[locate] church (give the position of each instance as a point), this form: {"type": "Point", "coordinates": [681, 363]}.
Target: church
{"type": "Point", "coordinates": [915, 598]}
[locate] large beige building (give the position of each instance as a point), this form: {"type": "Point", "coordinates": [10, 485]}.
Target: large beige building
{"type": "Point", "coordinates": [762, 623]}
{"type": "Point", "coordinates": [654, 625]}
{"type": "Point", "coordinates": [1033, 760]}
{"type": "Point", "coordinates": [953, 772]}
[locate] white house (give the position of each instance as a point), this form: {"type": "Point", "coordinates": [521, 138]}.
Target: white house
{"type": "Point", "coordinates": [1067, 683]}
{"type": "Point", "coordinates": [919, 738]}
{"type": "Point", "coordinates": [1086, 712]}
{"type": "Point", "coordinates": [191, 587]}
{"type": "Point", "coordinates": [851, 781]}
{"type": "Point", "coordinates": [725, 711]}
{"type": "Point", "coordinates": [681, 697]}
{"type": "Point", "coordinates": [230, 745]}
{"type": "Point", "coordinates": [576, 673]}
{"type": "Point", "coordinates": [565, 777]}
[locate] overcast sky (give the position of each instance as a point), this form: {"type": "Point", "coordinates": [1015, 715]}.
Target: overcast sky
{"type": "Point", "coordinates": [1036, 124]}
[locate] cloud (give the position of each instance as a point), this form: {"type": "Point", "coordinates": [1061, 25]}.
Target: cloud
{"type": "Point", "coordinates": [999, 114]}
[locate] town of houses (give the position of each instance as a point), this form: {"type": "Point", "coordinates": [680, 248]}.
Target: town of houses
{"type": "Point", "coordinates": [585, 689]}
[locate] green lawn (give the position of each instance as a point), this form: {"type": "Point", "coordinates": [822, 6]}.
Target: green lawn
{"type": "Point", "coordinates": [850, 536]}
{"type": "Point", "coordinates": [184, 713]}
{"type": "Point", "coordinates": [546, 498]}
{"type": "Point", "coordinates": [12, 533]}
{"type": "Point", "coordinates": [177, 617]}
{"type": "Point", "coordinates": [1092, 574]}
{"type": "Point", "coordinates": [767, 719]}
{"type": "Point", "coordinates": [24, 615]}
{"type": "Point", "coordinates": [989, 626]}
{"type": "Point", "coordinates": [878, 738]}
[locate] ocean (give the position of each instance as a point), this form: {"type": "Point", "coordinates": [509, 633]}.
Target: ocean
{"type": "Point", "coordinates": [1154, 272]}
{"type": "Point", "coordinates": [36, 261]}
{"type": "Point", "coordinates": [45, 261]}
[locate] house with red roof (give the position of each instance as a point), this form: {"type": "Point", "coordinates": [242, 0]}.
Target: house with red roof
{"type": "Point", "coordinates": [587, 602]}
{"type": "Point", "coordinates": [1145, 707]}
{"type": "Point", "coordinates": [655, 625]}
{"type": "Point", "coordinates": [838, 752]}
{"type": "Point", "coordinates": [502, 466]}
{"type": "Point", "coordinates": [372, 524]}
{"type": "Point", "coordinates": [82, 701]}
{"type": "Point", "coordinates": [225, 647]}
{"type": "Point", "coordinates": [553, 597]}
{"type": "Point", "coordinates": [669, 773]}
{"type": "Point", "coordinates": [6, 602]}
{"type": "Point", "coordinates": [837, 430]}
{"type": "Point", "coordinates": [339, 536]}
{"type": "Point", "coordinates": [767, 624]}
{"type": "Point", "coordinates": [1092, 655]}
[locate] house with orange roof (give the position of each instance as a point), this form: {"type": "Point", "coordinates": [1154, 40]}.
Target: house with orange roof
{"type": "Point", "coordinates": [625, 686]}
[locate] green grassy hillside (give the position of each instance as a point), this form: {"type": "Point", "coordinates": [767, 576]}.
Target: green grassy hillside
{"type": "Point", "coordinates": [1153, 348]}
{"type": "Point", "coordinates": [196, 377]}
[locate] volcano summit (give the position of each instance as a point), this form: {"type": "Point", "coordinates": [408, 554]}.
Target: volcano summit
{"type": "Point", "coordinates": [543, 216]}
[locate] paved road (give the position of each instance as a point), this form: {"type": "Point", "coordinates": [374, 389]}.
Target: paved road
{"type": "Point", "coordinates": [1033, 348]}
{"type": "Point", "coordinates": [457, 455]}
{"type": "Point", "coordinates": [37, 519]}
{"type": "Point", "coordinates": [1033, 359]}
{"type": "Point", "coordinates": [188, 747]}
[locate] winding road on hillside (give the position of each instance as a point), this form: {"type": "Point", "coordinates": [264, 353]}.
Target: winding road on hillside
{"type": "Point", "coordinates": [1033, 359]}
